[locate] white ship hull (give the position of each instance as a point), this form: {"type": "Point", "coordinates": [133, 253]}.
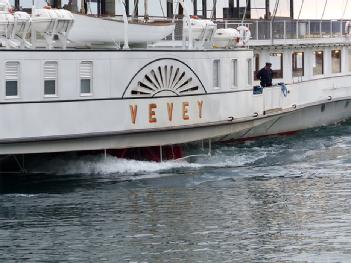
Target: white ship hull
{"type": "Point", "coordinates": [301, 119]}
{"type": "Point", "coordinates": [121, 113]}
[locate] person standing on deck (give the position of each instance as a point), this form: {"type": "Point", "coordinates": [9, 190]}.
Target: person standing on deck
{"type": "Point", "coordinates": [265, 75]}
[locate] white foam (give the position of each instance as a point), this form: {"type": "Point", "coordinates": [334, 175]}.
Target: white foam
{"type": "Point", "coordinates": [98, 164]}
{"type": "Point", "coordinates": [21, 195]}
{"type": "Point", "coordinates": [109, 165]}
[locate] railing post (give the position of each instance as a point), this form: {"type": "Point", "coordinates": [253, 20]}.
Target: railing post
{"type": "Point", "coordinates": [284, 29]}
{"type": "Point", "coordinates": [125, 28]}
{"type": "Point", "coordinates": [320, 29]}
{"type": "Point", "coordinates": [309, 28]}
{"type": "Point", "coordinates": [341, 28]}
{"type": "Point", "coordinates": [331, 28]}
{"type": "Point", "coordinates": [187, 18]}
{"type": "Point", "coordinates": [271, 29]}
{"type": "Point", "coordinates": [256, 30]}
{"type": "Point", "coordinates": [297, 29]}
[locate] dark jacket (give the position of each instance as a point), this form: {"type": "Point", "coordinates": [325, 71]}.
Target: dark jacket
{"type": "Point", "coordinates": [265, 76]}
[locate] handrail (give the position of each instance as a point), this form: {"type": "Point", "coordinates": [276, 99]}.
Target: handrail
{"type": "Point", "coordinates": [290, 29]}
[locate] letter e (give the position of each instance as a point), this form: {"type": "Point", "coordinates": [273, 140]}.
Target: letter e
{"type": "Point", "coordinates": [152, 113]}
{"type": "Point", "coordinates": [186, 111]}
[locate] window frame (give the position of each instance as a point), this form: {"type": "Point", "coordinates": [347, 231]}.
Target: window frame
{"type": "Point", "coordinates": [314, 57]}
{"type": "Point", "coordinates": [340, 61]}
{"type": "Point", "coordinates": [49, 78]}
{"type": "Point", "coordinates": [91, 78]}
{"type": "Point", "coordinates": [296, 71]}
{"type": "Point", "coordinates": [235, 75]}
{"type": "Point", "coordinates": [17, 79]}
{"type": "Point", "coordinates": [218, 73]}
{"type": "Point", "coordinates": [278, 74]}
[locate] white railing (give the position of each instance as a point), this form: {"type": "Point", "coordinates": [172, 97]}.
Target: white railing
{"type": "Point", "coordinates": [290, 29]}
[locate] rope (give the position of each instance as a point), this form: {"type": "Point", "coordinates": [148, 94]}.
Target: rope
{"type": "Point", "coordinates": [163, 12]}
{"type": "Point", "coordinates": [275, 10]}
{"type": "Point", "coordinates": [174, 14]}
{"type": "Point", "coordinates": [325, 5]}
{"type": "Point", "coordinates": [136, 4]}
{"type": "Point", "coordinates": [244, 15]}
{"type": "Point", "coordinates": [135, 8]}
{"type": "Point", "coordinates": [343, 15]}
{"type": "Point", "coordinates": [214, 8]}
{"type": "Point", "coordinates": [303, 1]}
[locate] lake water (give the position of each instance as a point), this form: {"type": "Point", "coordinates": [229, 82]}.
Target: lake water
{"type": "Point", "coordinates": [277, 199]}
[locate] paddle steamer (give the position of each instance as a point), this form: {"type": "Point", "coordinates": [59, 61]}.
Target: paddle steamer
{"type": "Point", "coordinates": [75, 82]}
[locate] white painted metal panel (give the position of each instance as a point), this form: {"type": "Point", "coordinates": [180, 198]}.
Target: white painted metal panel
{"type": "Point", "coordinates": [12, 70]}
{"type": "Point", "coordinates": [86, 70]}
{"type": "Point", "coordinates": [50, 70]}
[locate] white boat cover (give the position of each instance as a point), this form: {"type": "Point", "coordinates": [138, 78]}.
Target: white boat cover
{"type": "Point", "coordinates": [226, 38]}
{"type": "Point", "coordinates": [51, 20]}
{"type": "Point", "coordinates": [94, 30]}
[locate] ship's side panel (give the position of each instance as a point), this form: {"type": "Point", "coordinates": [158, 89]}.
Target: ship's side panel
{"type": "Point", "coordinates": [131, 92]}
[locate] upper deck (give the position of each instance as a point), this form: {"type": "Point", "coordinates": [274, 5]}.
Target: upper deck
{"type": "Point", "coordinates": [67, 30]}
{"type": "Point", "coordinates": [293, 32]}
{"type": "Point", "coordinates": [280, 32]}
{"type": "Point", "coordinates": [58, 28]}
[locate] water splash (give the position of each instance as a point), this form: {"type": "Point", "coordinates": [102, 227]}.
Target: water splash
{"type": "Point", "coordinates": [309, 148]}
{"type": "Point", "coordinates": [109, 165]}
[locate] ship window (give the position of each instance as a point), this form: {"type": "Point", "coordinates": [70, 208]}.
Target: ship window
{"type": "Point", "coordinates": [336, 61]}
{"type": "Point", "coordinates": [235, 73]}
{"type": "Point", "coordinates": [318, 62]}
{"type": "Point", "coordinates": [257, 65]}
{"type": "Point", "coordinates": [216, 73]}
{"type": "Point", "coordinates": [298, 64]}
{"type": "Point", "coordinates": [277, 65]}
{"type": "Point", "coordinates": [249, 71]}
{"type": "Point", "coordinates": [12, 79]}
{"type": "Point", "coordinates": [86, 76]}
{"type": "Point", "coordinates": [50, 78]}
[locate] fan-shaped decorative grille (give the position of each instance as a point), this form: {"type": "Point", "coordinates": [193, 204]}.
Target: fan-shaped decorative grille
{"type": "Point", "coordinates": [166, 77]}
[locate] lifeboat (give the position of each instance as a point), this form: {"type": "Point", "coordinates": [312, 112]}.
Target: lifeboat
{"type": "Point", "coordinates": [226, 38]}
{"type": "Point", "coordinates": [98, 30]}
{"type": "Point", "coordinates": [198, 28]}
{"type": "Point", "coordinates": [47, 20]}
